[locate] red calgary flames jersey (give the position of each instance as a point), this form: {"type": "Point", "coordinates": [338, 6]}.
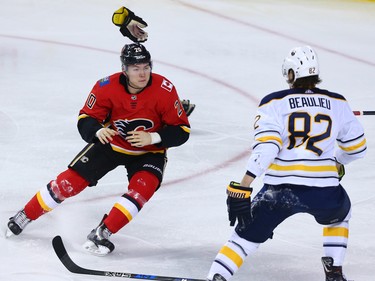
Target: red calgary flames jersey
{"type": "Point", "coordinates": [156, 106]}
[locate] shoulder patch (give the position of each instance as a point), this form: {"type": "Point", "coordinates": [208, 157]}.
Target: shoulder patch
{"type": "Point", "coordinates": [166, 85]}
{"type": "Point", "coordinates": [104, 81]}
{"type": "Point", "coordinates": [91, 100]}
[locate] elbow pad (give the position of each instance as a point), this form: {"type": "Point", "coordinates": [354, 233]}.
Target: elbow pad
{"type": "Point", "coordinates": [261, 158]}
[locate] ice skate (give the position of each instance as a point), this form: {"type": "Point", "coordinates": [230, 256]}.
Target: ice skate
{"type": "Point", "coordinates": [98, 241]}
{"type": "Point", "coordinates": [17, 223]}
{"type": "Point", "coordinates": [333, 273]}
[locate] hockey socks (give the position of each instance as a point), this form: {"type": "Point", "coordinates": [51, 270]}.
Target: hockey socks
{"type": "Point", "coordinates": [335, 241]}
{"type": "Point", "coordinates": [141, 188]}
{"type": "Point", "coordinates": [67, 184]}
{"type": "Point", "coordinates": [230, 257]}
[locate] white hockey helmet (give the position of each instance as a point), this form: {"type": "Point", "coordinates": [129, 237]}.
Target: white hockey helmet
{"type": "Point", "coordinates": [303, 61]}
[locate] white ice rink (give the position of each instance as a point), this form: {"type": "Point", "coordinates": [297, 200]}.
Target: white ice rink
{"type": "Point", "coordinates": [223, 55]}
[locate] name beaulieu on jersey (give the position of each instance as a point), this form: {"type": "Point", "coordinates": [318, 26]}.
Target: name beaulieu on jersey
{"type": "Point", "coordinates": [298, 102]}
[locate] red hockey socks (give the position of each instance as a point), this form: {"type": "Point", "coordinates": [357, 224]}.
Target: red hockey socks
{"type": "Point", "coordinates": [67, 184]}
{"type": "Point", "coordinates": [142, 186]}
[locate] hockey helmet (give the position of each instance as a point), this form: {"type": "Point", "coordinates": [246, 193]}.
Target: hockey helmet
{"type": "Point", "coordinates": [303, 61]}
{"type": "Point", "coordinates": [134, 54]}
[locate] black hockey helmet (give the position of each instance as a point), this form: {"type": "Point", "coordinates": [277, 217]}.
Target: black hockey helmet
{"type": "Point", "coordinates": [134, 53]}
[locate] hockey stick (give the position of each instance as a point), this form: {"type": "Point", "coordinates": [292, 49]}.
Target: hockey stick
{"type": "Point", "coordinates": [356, 112]}
{"type": "Point", "coordinates": [61, 252]}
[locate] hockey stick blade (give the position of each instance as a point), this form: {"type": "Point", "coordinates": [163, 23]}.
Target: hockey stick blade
{"type": "Point", "coordinates": [62, 254]}
{"type": "Point", "coordinates": [368, 112]}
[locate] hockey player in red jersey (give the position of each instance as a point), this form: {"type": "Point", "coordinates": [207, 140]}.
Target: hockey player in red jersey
{"type": "Point", "coordinates": [295, 136]}
{"type": "Point", "coordinates": [132, 27]}
{"type": "Point", "coordinates": [129, 119]}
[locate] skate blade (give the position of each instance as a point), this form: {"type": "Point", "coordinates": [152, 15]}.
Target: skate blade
{"type": "Point", "coordinates": [91, 248]}
{"type": "Point", "coordinates": [8, 233]}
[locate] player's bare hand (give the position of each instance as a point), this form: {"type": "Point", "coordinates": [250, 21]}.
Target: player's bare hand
{"type": "Point", "coordinates": [105, 135]}
{"type": "Point", "coordinates": [138, 138]}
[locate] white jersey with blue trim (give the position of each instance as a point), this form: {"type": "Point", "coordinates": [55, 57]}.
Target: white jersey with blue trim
{"type": "Point", "coordinates": [299, 135]}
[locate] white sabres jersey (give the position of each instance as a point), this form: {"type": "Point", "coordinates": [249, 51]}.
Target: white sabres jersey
{"type": "Point", "coordinates": [300, 134]}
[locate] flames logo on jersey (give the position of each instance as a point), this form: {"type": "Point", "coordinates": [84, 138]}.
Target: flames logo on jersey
{"type": "Point", "coordinates": [125, 126]}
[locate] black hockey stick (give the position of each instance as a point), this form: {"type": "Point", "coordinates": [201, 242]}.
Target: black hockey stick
{"type": "Point", "coordinates": [61, 252]}
{"type": "Point", "coordinates": [357, 112]}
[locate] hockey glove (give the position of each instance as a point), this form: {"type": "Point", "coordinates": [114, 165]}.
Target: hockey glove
{"type": "Point", "coordinates": [239, 204]}
{"type": "Point", "coordinates": [188, 107]}
{"type": "Point", "coordinates": [131, 26]}
{"type": "Point", "coordinates": [341, 171]}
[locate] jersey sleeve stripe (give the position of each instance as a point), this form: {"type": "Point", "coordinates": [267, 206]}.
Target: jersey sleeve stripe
{"type": "Point", "coordinates": [255, 145]}
{"type": "Point", "coordinates": [354, 147]}
{"type": "Point", "coordinates": [81, 116]}
{"type": "Point", "coordinates": [270, 138]}
{"type": "Point", "coordinates": [267, 131]}
{"type": "Point", "coordinates": [358, 152]}
{"type": "Point", "coordinates": [346, 141]}
{"type": "Point", "coordinates": [186, 129]}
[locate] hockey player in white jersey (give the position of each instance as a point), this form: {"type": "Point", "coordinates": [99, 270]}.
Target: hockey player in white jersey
{"type": "Point", "coordinates": [295, 137]}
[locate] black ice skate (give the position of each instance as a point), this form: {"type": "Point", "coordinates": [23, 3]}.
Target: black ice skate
{"type": "Point", "coordinates": [98, 241]}
{"type": "Point", "coordinates": [17, 223]}
{"type": "Point", "coordinates": [333, 273]}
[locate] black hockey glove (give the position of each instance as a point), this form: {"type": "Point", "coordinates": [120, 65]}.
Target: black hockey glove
{"type": "Point", "coordinates": [188, 107]}
{"type": "Point", "coordinates": [239, 204]}
{"type": "Point", "coordinates": [131, 26]}
{"type": "Point", "coordinates": [341, 171]}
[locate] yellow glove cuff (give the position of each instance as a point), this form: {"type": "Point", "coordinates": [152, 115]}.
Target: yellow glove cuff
{"type": "Point", "coordinates": [234, 190]}
{"type": "Point", "coordinates": [119, 16]}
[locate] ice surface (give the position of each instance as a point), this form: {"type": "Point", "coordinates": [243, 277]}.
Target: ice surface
{"type": "Point", "coordinates": [222, 55]}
